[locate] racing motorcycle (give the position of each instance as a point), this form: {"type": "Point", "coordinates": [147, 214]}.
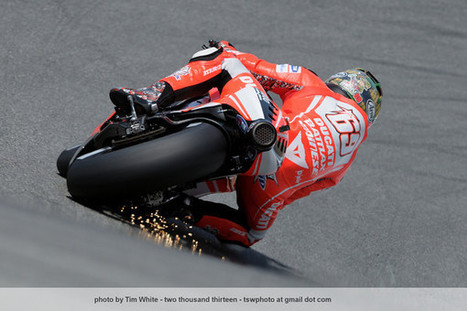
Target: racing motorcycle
{"type": "Point", "coordinates": [168, 152]}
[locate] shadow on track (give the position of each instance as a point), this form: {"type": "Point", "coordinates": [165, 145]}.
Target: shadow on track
{"type": "Point", "coordinates": [175, 233]}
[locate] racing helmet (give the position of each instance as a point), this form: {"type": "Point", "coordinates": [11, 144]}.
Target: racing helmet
{"type": "Point", "coordinates": [360, 86]}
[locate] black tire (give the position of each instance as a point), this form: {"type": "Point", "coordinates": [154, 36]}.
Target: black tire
{"type": "Point", "coordinates": [188, 155]}
{"type": "Point", "coordinates": [64, 159]}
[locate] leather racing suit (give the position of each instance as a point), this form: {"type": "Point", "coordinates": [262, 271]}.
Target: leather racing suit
{"type": "Point", "coordinates": [326, 130]}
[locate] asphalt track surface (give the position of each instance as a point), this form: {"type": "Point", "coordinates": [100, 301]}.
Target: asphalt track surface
{"type": "Point", "coordinates": [397, 219]}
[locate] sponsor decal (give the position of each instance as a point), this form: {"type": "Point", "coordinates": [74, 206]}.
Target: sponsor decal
{"type": "Point", "coordinates": [312, 147]}
{"type": "Point", "coordinates": [282, 67]}
{"type": "Point", "coordinates": [298, 176]}
{"type": "Point", "coordinates": [329, 156]}
{"type": "Point", "coordinates": [320, 143]}
{"type": "Point", "coordinates": [181, 72]}
{"type": "Point", "coordinates": [265, 218]}
{"type": "Point", "coordinates": [212, 69]}
{"type": "Point", "coordinates": [295, 69]}
{"type": "Point", "coordinates": [288, 68]}
{"type": "Point", "coordinates": [296, 152]}
{"type": "Point", "coordinates": [370, 110]}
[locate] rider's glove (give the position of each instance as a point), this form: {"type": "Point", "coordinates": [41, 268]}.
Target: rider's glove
{"type": "Point", "coordinates": [217, 44]}
{"type": "Point", "coordinates": [211, 43]}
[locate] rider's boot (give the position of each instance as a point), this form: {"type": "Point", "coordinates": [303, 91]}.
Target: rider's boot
{"type": "Point", "coordinates": [179, 207]}
{"type": "Point", "coordinates": [146, 100]}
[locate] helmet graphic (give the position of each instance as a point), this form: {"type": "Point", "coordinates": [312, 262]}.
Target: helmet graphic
{"type": "Point", "coordinates": [362, 87]}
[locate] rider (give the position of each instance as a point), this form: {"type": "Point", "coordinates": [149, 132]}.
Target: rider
{"type": "Point", "coordinates": [328, 121]}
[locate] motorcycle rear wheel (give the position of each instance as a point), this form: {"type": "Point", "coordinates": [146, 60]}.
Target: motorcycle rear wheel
{"type": "Point", "coordinates": [185, 156]}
